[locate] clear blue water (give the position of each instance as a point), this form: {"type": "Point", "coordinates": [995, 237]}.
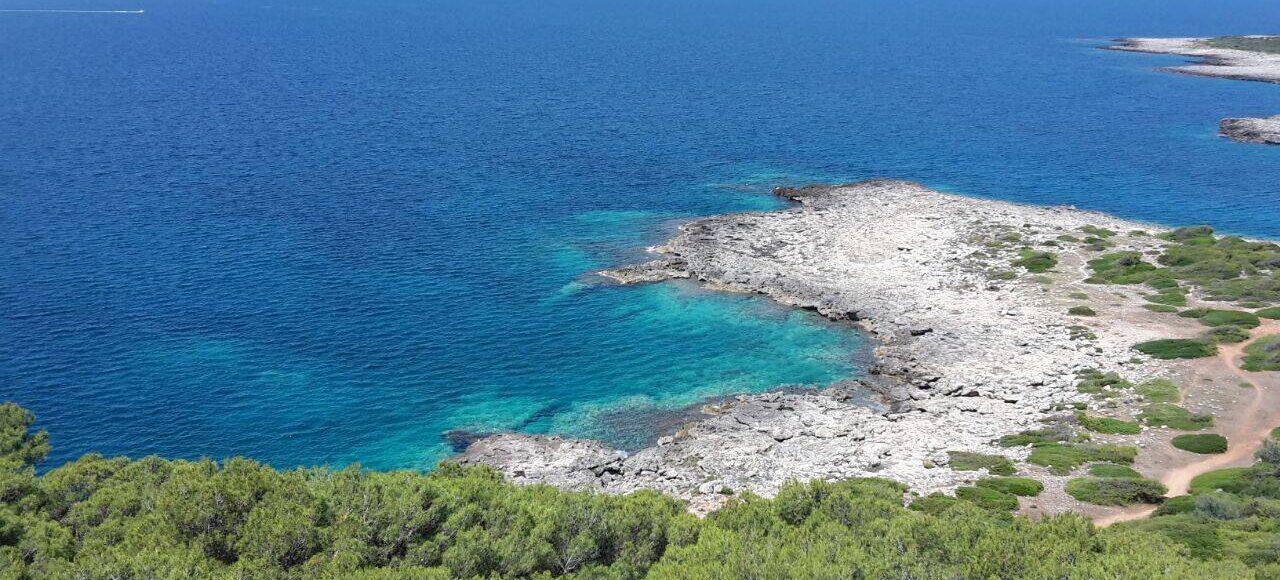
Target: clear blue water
{"type": "Point", "coordinates": [313, 231]}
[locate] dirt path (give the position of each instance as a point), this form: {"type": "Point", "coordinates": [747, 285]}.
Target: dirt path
{"type": "Point", "coordinates": [1245, 429]}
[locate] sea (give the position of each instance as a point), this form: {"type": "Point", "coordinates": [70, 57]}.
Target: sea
{"type": "Point", "coordinates": [334, 232]}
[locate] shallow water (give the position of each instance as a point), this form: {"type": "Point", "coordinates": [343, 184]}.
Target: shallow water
{"type": "Point", "coordinates": [326, 232]}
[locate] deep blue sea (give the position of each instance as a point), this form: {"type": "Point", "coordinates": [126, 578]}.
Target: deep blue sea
{"type": "Point", "coordinates": [325, 232]}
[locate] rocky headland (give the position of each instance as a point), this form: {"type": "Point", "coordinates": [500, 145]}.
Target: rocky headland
{"type": "Point", "coordinates": [973, 344]}
{"type": "Point", "coordinates": [1238, 58]}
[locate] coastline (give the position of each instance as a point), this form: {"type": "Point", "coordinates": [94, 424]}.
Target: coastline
{"type": "Point", "coordinates": [1218, 62]}
{"type": "Point", "coordinates": [967, 353]}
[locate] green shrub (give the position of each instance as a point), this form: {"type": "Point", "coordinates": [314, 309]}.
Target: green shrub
{"type": "Point", "coordinates": [1023, 486]}
{"type": "Point", "coordinates": [1121, 268]}
{"type": "Point", "coordinates": [1263, 354]}
{"type": "Point", "coordinates": [1097, 231]}
{"type": "Point", "coordinates": [1061, 458]}
{"type": "Point", "coordinates": [1158, 391]}
{"type": "Point", "coordinates": [1083, 296]}
{"type": "Point", "coordinates": [1271, 313]}
{"type": "Point", "coordinates": [1231, 479]}
{"type": "Point", "coordinates": [1177, 505]}
{"type": "Point", "coordinates": [1203, 443]}
{"type": "Point", "coordinates": [1160, 307]}
{"type": "Point", "coordinates": [1175, 348]}
{"type": "Point", "coordinates": [1168, 298]}
{"type": "Point", "coordinates": [1174, 417]}
{"type": "Point", "coordinates": [1081, 311]}
{"type": "Point", "coordinates": [1035, 261]}
{"type": "Point", "coordinates": [1053, 434]}
{"type": "Point", "coordinates": [968, 461]}
{"type": "Point", "coordinates": [1189, 232]}
{"type": "Point", "coordinates": [1108, 425]}
{"type": "Point", "coordinates": [934, 504]}
{"type": "Point", "coordinates": [1240, 318]}
{"type": "Point", "coordinates": [1105, 470]}
{"type": "Point", "coordinates": [988, 498]}
{"type": "Point", "coordinates": [1102, 384]}
{"type": "Point", "coordinates": [1116, 491]}
{"type": "Point", "coordinates": [1225, 335]}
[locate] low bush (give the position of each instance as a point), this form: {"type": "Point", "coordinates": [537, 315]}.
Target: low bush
{"type": "Point", "coordinates": [1035, 261]}
{"type": "Point", "coordinates": [1062, 458]}
{"type": "Point", "coordinates": [1263, 354]}
{"type": "Point", "coordinates": [1171, 298]}
{"type": "Point", "coordinates": [1272, 313]}
{"type": "Point", "coordinates": [1108, 425]}
{"type": "Point", "coordinates": [1097, 231]}
{"type": "Point", "coordinates": [1203, 443]}
{"type": "Point", "coordinates": [1240, 318]}
{"type": "Point", "coordinates": [1160, 308]}
{"type": "Point", "coordinates": [1116, 491]}
{"type": "Point", "coordinates": [1175, 348]}
{"type": "Point", "coordinates": [934, 504]}
{"type": "Point", "coordinates": [1231, 479]}
{"type": "Point", "coordinates": [1083, 296]}
{"type": "Point", "coordinates": [1023, 486]}
{"type": "Point", "coordinates": [1174, 417]}
{"type": "Point", "coordinates": [988, 498]}
{"type": "Point", "coordinates": [1177, 505]}
{"type": "Point", "coordinates": [1158, 391]}
{"type": "Point", "coordinates": [968, 461]}
{"type": "Point", "coordinates": [1121, 268]}
{"type": "Point", "coordinates": [1225, 335]}
{"type": "Point", "coordinates": [1053, 434]}
{"type": "Point", "coordinates": [1081, 311]}
{"type": "Point", "coordinates": [1102, 384]}
{"type": "Point", "coordinates": [1109, 470]}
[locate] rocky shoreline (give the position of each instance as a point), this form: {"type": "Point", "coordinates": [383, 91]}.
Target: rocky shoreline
{"type": "Point", "coordinates": [1224, 63]}
{"type": "Point", "coordinates": [970, 348]}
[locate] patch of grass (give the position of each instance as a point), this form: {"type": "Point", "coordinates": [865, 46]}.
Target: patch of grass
{"type": "Point", "coordinates": [934, 503]}
{"type": "Point", "coordinates": [1004, 275]}
{"type": "Point", "coordinates": [1081, 333]}
{"type": "Point", "coordinates": [1177, 505]}
{"type": "Point", "coordinates": [1054, 434]}
{"type": "Point", "coordinates": [1067, 238]}
{"type": "Point", "coordinates": [1061, 458]}
{"type": "Point", "coordinates": [1116, 491]}
{"type": "Point", "coordinates": [968, 461]}
{"type": "Point", "coordinates": [1269, 44]}
{"type": "Point", "coordinates": [1108, 425]}
{"type": "Point", "coordinates": [1225, 334]}
{"type": "Point", "coordinates": [1272, 313]}
{"type": "Point", "coordinates": [1231, 479]}
{"type": "Point", "coordinates": [1170, 298]}
{"type": "Point", "coordinates": [1174, 348]}
{"type": "Point", "coordinates": [1102, 385]}
{"type": "Point", "coordinates": [1160, 307]}
{"type": "Point", "coordinates": [1174, 417]}
{"type": "Point", "coordinates": [1035, 261]}
{"type": "Point", "coordinates": [1023, 486]}
{"type": "Point", "coordinates": [1097, 231]}
{"type": "Point", "coordinates": [1121, 268]}
{"type": "Point", "coordinates": [1203, 443]}
{"type": "Point", "coordinates": [1263, 354]}
{"type": "Point", "coordinates": [1081, 311]}
{"type": "Point", "coordinates": [1240, 318]}
{"type": "Point", "coordinates": [1107, 470]}
{"type": "Point", "coordinates": [988, 498]}
{"type": "Point", "coordinates": [1158, 391]}
{"type": "Point", "coordinates": [1083, 296]}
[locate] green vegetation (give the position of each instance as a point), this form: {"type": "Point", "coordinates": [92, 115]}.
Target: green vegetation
{"type": "Point", "coordinates": [1097, 231]}
{"type": "Point", "coordinates": [1062, 458]}
{"type": "Point", "coordinates": [1160, 308]}
{"type": "Point", "coordinates": [1204, 443]}
{"type": "Point", "coordinates": [1212, 317]}
{"type": "Point", "coordinates": [1174, 417]}
{"type": "Point", "coordinates": [1111, 470]}
{"type": "Point", "coordinates": [1081, 311]}
{"type": "Point", "coordinates": [1083, 296]}
{"type": "Point", "coordinates": [1232, 479]}
{"type": "Point", "coordinates": [1225, 335]}
{"type": "Point", "coordinates": [1108, 425]}
{"type": "Point", "coordinates": [988, 498]}
{"type": "Point", "coordinates": [1102, 385]}
{"type": "Point", "coordinates": [1263, 354]}
{"type": "Point", "coordinates": [1058, 433]}
{"type": "Point", "coordinates": [1023, 486]}
{"type": "Point", "coordinates": [1272, 313]}
{"type": "Point", "coordinates": [1172, 348]}
{"type": "Point", "coordinates": [967, 461]}
{"type": "Point", "coordinates": [1035, 261]}
{"type": "Point", "coordinates": [1158, 391]}
{"type": "Point", "coordinates": [1121, 268]}
{"type": "Point", "coordinates": [154, 518]}
{"type": "Point", "coordinates": [1116, 490]}
{"type": "Point", "coordinates": [1269, 44]}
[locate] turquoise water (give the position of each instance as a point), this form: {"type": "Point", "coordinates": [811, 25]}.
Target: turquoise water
{"type": "Point", "coordinates": [322, 232]}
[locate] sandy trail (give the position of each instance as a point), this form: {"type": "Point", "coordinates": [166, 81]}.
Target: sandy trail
{"type": "Point", "coordinates": [1246, 428]}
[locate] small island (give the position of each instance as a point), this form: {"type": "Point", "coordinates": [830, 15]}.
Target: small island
{"type": "Point", "coordinates": [1249, 58]}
